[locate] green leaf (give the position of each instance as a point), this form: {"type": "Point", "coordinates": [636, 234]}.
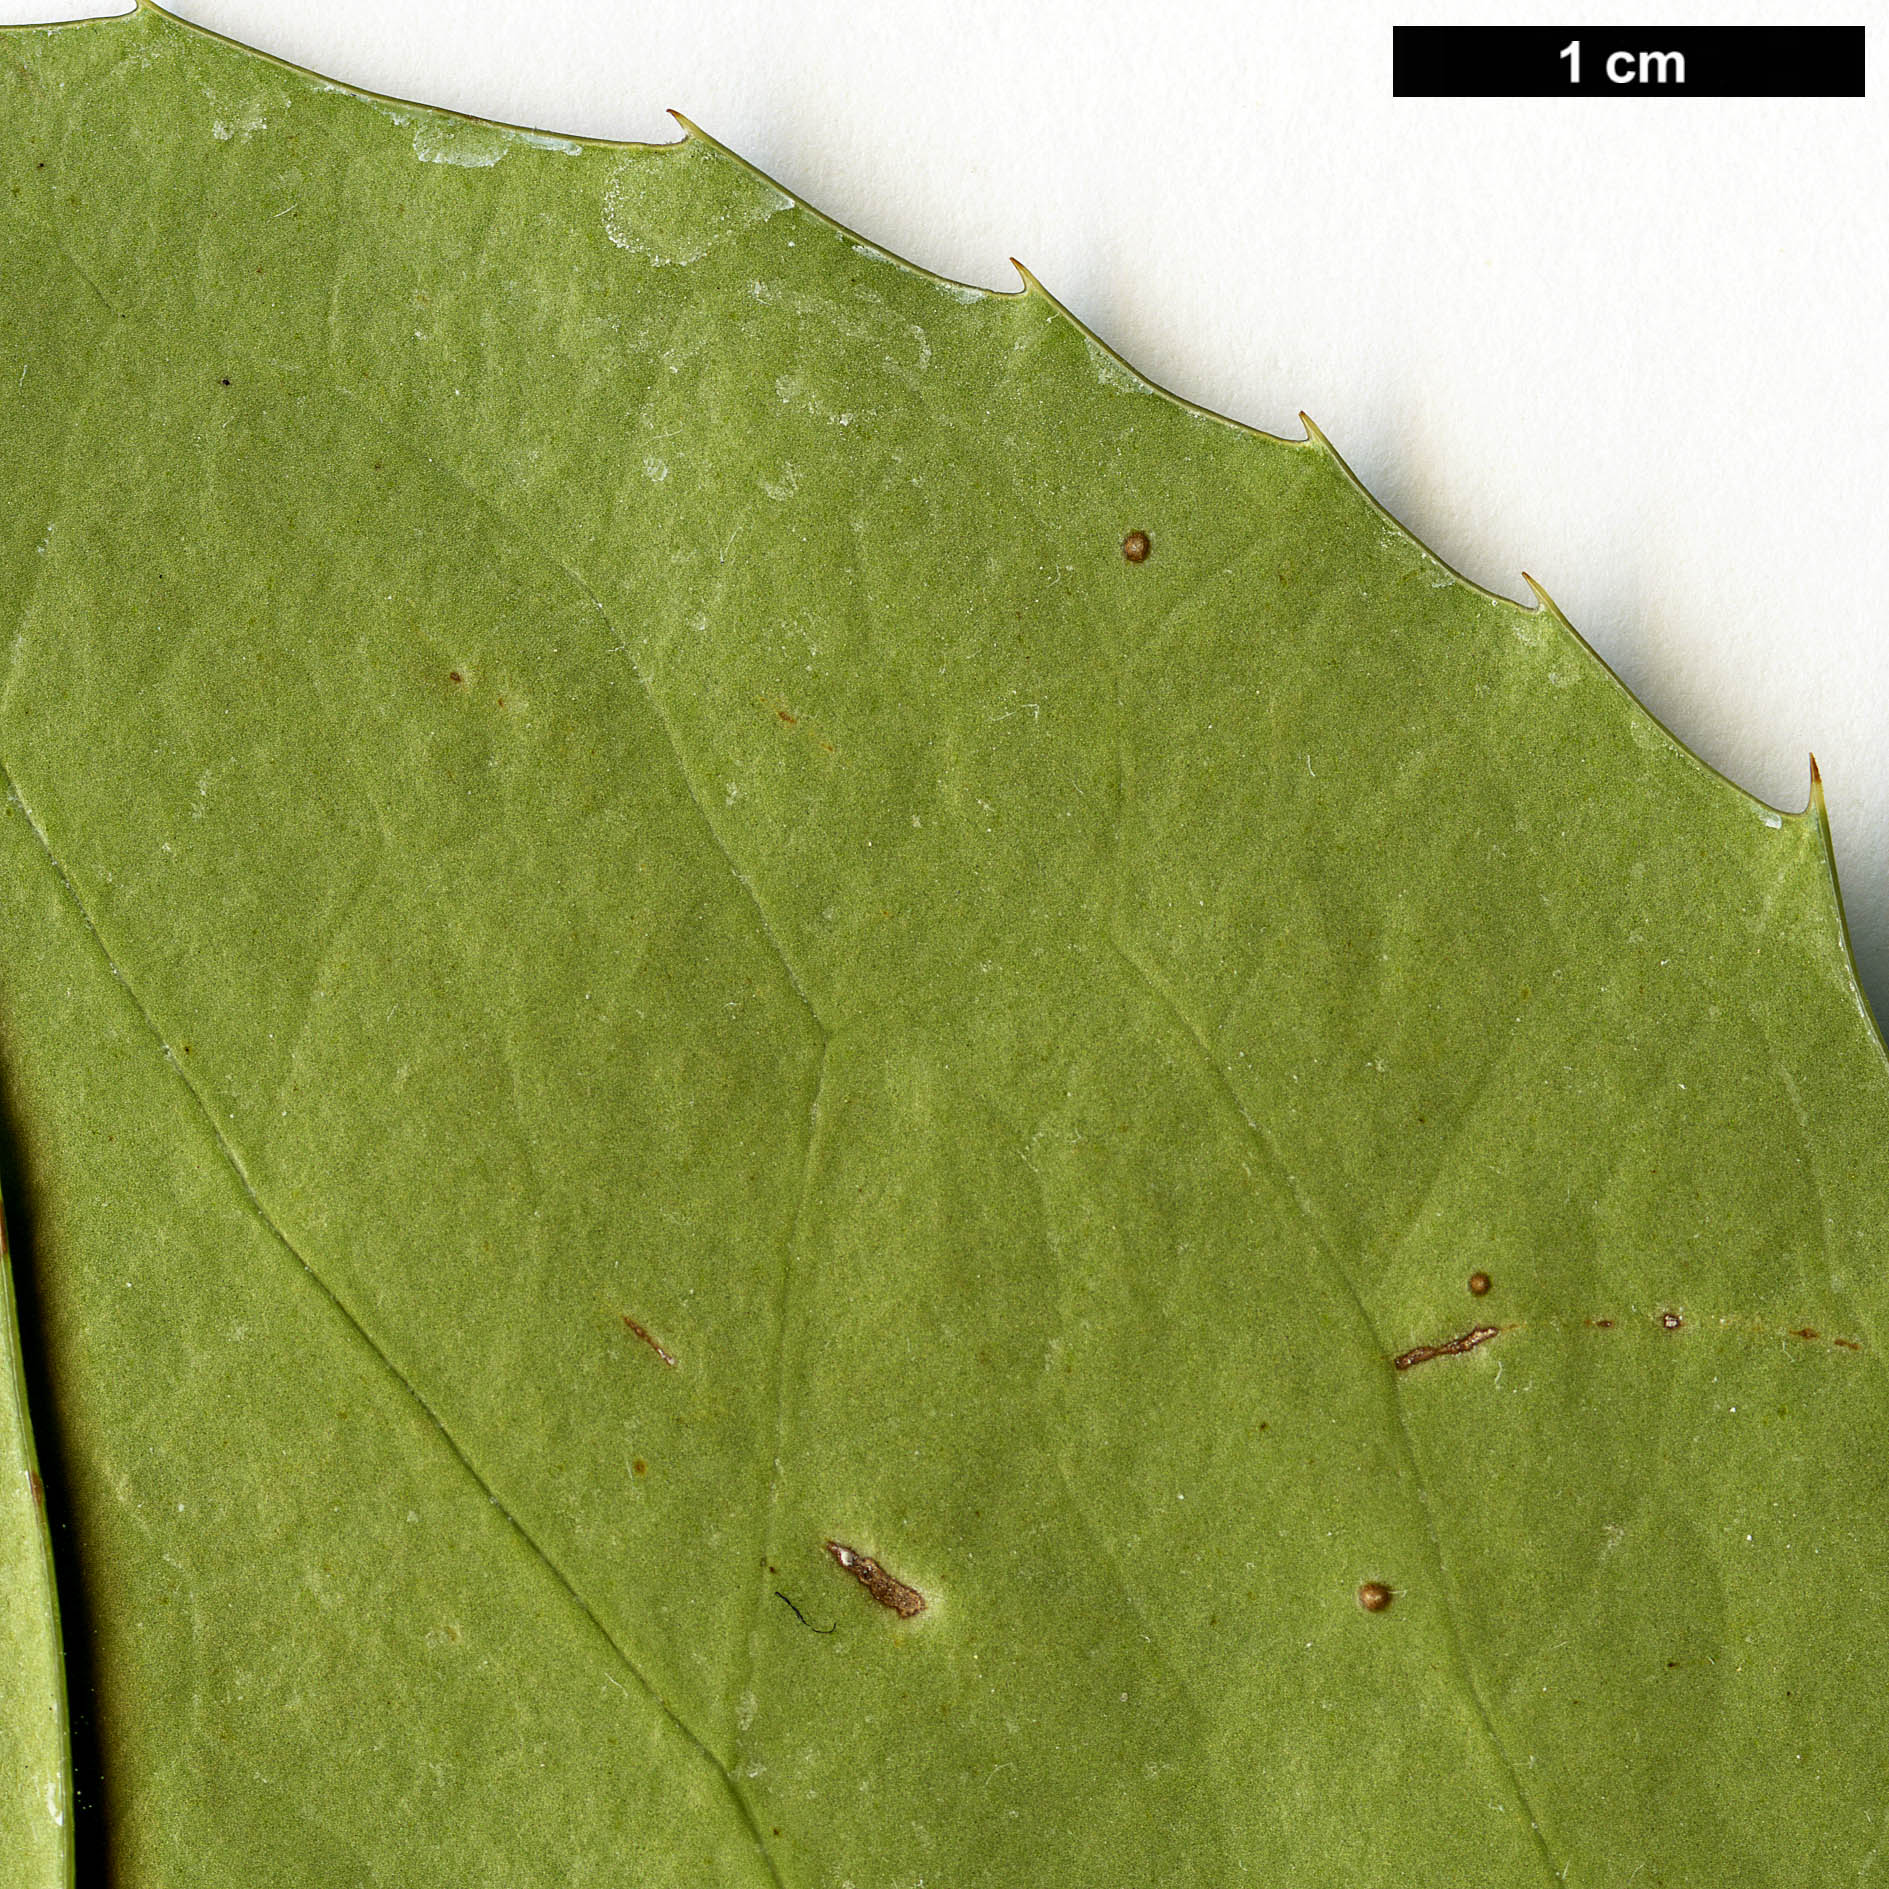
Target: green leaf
{"type": "Point", "coordinates": [35, 1779]}
{"type": "Point", "coordinates": [653, 1007]}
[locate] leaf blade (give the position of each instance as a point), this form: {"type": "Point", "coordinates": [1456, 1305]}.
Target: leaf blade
{"type": "Point", "coordinates": [1122, 957]}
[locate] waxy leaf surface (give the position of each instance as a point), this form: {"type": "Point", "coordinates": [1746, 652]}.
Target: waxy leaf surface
{"type": "Point", "coordinates": [633, 953]}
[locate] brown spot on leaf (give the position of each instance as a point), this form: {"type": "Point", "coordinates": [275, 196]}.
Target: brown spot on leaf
{"type": "Point", "coordinates": [38, 1488]}
{"type": "Point", "coordinates": [1449, 1348]}
{"type": "Point", "coordinates": [453, 675]}
{"type": "Point", "coordinates": [643, 1333]}
{"type": "Point", "coordinates": [1136, 547]}
{"type": "Point", "coordinates": [1805, 1331]}
{"type": "Point", "coordinates": [888, 1592]}
{"type": "Point", "coordinates": [1601, 1324]}
{"type": "Point", "coordinates": [640, 1467]}
{"type": "Point", "coordinates": [1479, 1284]}
{"type": "Point", "coordinates": [1374, 1597]}
{"type": "Point", "coordinates": [792, 721]}
{"type": "Point", "coordinates": [1671, 1320]}
{"type": "Point", "coordinates": [1848, 1344]}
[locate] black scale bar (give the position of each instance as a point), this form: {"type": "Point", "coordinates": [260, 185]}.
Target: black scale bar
{"type": "Point", "coordinates": [1627, 61]}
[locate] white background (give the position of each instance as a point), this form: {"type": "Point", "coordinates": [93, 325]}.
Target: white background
{"type": "Point", "coordinates": [1639, 348]}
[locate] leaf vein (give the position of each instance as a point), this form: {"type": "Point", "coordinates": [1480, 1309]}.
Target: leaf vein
{"type": "Point", "coordinates": [795, 1233]}
{"type": "Point", "coordinates": [620, 644]}
{"type": "Point", "coordinates": [234, 1161]}
{"type": "Point", "coordinates": [1406, 1443]}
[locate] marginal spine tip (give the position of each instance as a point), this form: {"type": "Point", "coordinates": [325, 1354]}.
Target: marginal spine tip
{"type": "Point", "coordinates": [1543, 601]}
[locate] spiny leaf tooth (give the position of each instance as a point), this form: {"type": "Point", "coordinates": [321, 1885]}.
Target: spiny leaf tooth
{"type": "Point", "coordinates": [1545, 602]}
{"type": "Point", "coordinates": [1030, 283]}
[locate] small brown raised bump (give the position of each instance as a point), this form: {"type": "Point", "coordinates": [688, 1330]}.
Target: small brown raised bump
{"type": "Point", "coordinates": [1136, 547]}
{"type": "Point", "coordinates": [1374, 1597]}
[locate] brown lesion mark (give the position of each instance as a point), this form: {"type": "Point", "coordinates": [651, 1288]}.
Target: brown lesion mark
{"type": "Point", "coordinates": [643, 1332]}
{"type": "Point", "coordinates": [1670, 1320]}
{"type": "Point", "coordinates": [38, 1488]}
{"type": "Point", "coordinates": [887, 1591]}
{"type": "Point", "coordinates": [1137, 546]}
{"type": "Point", "coordinates": [1449, 1348]}
{"type": "Point", "coordinates": [1761, 1328]}
{"type": "Point", "coordinates": [788, 717]}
